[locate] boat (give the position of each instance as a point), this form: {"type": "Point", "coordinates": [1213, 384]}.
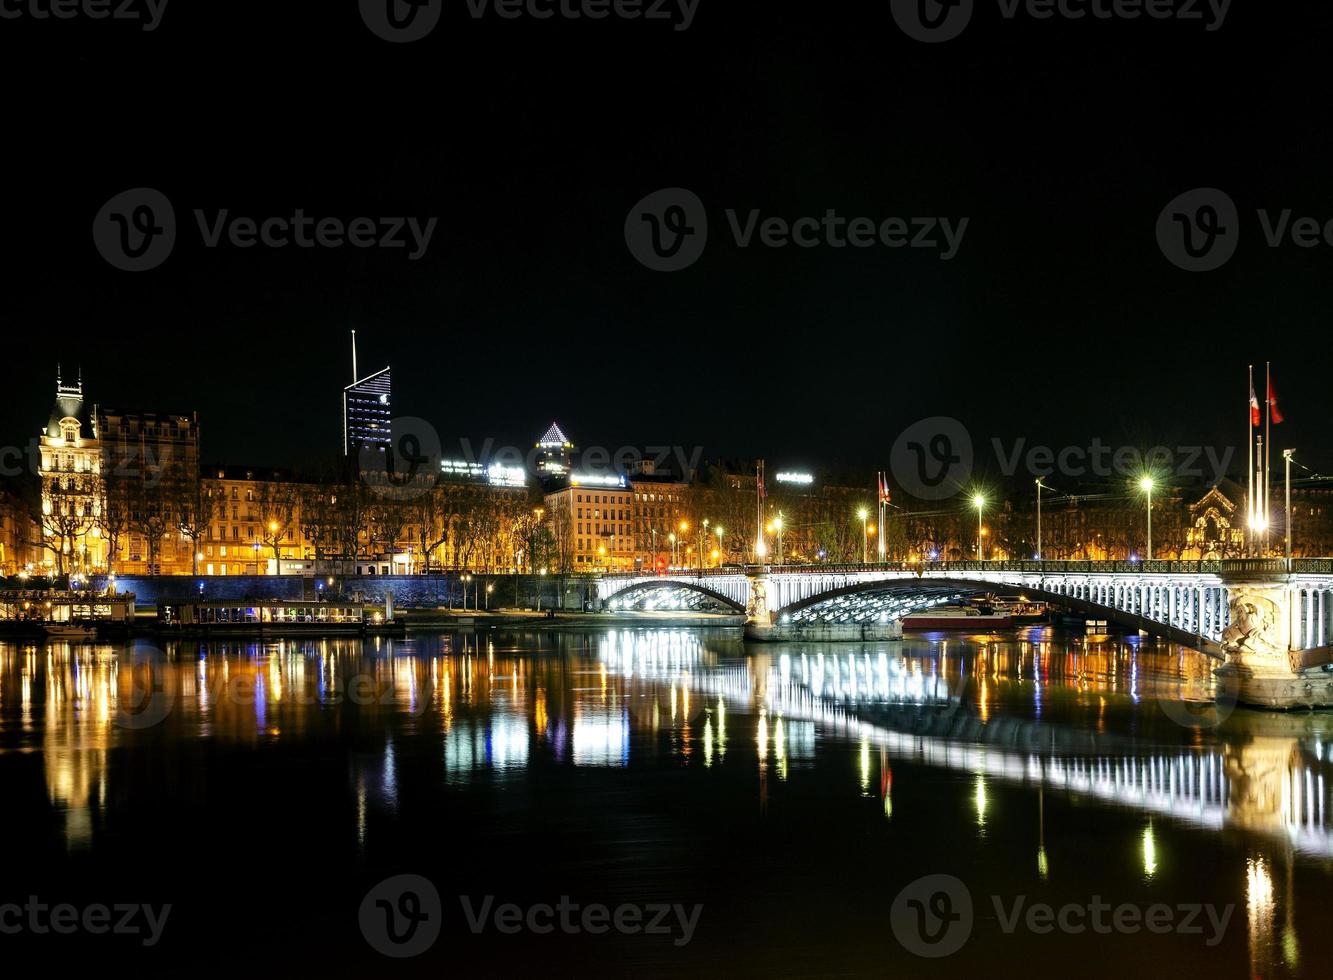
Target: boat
{"type": "Point", "coordinates": [967, 618]}
{"type": "Point", "coordinates": [69, 631]}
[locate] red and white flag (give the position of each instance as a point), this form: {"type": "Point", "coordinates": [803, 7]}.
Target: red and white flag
{"type": "Point", "coordinates": [884, 495]}
{"type": "Point", "coordinates": [1255, 417]}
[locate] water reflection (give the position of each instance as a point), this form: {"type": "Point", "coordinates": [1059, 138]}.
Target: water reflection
{"type": "Point", "coordinates": [1057, 717]}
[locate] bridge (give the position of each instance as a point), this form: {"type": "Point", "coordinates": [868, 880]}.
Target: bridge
{"type": "Point", "coordinates": [1270, 619]}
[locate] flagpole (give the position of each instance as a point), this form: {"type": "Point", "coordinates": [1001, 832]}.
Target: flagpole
{"type": "Point", "coordinates": [1249, 452]}
{"type": "Point", "coordinates": [1268, 446]}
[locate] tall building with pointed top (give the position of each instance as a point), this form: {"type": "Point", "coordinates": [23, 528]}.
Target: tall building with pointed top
{"type": "Point", "coordinates": [71, 474]}
{"type": "Point", "coordinates": [556, 453]}
{"type": "Point", "coordinates": [367, 409]}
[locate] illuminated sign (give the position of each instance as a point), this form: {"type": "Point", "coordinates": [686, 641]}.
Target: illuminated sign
{"type": "Point", "coordinates": [804, 479]}
{"type": "Point", "coordinates": [585, 480]}
{"type": "Point", "coordinates": [497, 474]}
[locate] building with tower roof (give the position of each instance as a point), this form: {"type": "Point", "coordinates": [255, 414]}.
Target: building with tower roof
{"type": "Point", "coordinates": [556, 453]}
{"type": "Point", "coordinates": [71, 479]}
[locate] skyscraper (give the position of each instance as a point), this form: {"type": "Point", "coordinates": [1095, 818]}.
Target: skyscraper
{"type": "Point", "coordinates": [366, 409]}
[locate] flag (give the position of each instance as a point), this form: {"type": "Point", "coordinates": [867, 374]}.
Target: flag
{"type": "Point", "coordinates": [884, 495]}
{"type": "Point", "coordinates": [1272, 403]}
{"type": "Point", "coordinates": [1254, 407]}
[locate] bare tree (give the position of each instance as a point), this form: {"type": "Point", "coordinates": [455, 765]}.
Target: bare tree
{"type": "Point", "coordinates": [277, 503]}
{"type": "Point", "coordinates": [200, 506]}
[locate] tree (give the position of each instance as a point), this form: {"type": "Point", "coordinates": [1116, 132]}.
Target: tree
{"type": "Point", "coordinates": [200, 506]}
{"type": "Point", "coordinates": [277, 503]}
{"type": "Point", "coordinates": [113, 519]}
{"type": "Point", "coordinates": [430, 521]}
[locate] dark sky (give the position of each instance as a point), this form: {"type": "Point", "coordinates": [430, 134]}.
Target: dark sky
{"type": "Point", "coordinates": [1060, 319]}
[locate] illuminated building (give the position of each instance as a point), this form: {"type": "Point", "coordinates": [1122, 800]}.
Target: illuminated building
{"type": "Point", "coordinates": [252, 513]}
{"type": "Point", "coordinates": [592, 520]}
{"type": "Point", "coordinates": [71, 475]}
{"type": "Point", "coordinates": [366, 413]}
{"type": "Point", "coordinates": [150, 465]}
{"type": "Point", "coordinates": [18, 534]}
{"type": "Point", "coordinates": [556, 453]}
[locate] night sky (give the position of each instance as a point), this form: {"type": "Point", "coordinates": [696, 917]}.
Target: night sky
{"type": "Point", "coordinates": [1059, 320]}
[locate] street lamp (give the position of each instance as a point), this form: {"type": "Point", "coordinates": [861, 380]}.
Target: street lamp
{"type": "Point", "coordinates": [1040, 487]}
{"type": "Point", "coordinates": [979, 502]}
{"type": "Point", "coordinates": [1146, 485]}
{"type": "Point", "coordinates": [865, 536]}
{"type": "Point", "coordinates": [777, 526]}
{"type": "Point", "coordinates": [718, 531]}
{"type": "Point", "coordinates": [1287, 455]}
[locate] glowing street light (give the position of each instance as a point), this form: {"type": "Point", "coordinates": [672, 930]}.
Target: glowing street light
{"type": "Point", "coordinates": [1146, 485]}
{"type": "Point", "coordinates": [979, 502]}
{"type": "Point", "coordinates": [865, 536]}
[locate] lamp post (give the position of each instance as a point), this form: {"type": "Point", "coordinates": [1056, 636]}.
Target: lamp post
{"type": "Point", "coordinates": [1040, 488]}
{"type": "Point", "coordinates": [672, 538]}
{"type": "Point", "coordinates": [865, 536]}
{"type": "Point", "coordinates": [720, 553]}
{"type": "Point", "coordinates": [979, 502]}
{"type": "Point", "coordinates": [777, 526]}
{"type": "Point", "coordinates": [1146, 485]}
{"type": "Point", "coordinates": [1287, 454]}
{"type": "Point", "coordinates": [654, 534]}
{"type": "Point", "coordinates": [703, 536]}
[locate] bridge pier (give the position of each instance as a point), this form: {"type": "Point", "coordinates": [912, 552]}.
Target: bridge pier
{"type": "Point", "coordinates": [1264, 664]}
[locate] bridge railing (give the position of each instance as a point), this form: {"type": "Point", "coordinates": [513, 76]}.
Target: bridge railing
{"type": "Point", "coordinates": [1236, 566]}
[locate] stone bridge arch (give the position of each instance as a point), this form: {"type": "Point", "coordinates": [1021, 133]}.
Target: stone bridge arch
{"type": "Point", "coordinates": [726, 594]}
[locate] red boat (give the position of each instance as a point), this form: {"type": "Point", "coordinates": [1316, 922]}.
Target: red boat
{"type": "Point", "coordinates": [966, 618]}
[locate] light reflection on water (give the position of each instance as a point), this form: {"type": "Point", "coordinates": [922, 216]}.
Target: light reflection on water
{"type": "Point", "coordinates": [1044, 713]}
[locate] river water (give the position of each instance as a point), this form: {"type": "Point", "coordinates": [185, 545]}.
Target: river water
{"type": "Point", "coordinates": [658, 802]}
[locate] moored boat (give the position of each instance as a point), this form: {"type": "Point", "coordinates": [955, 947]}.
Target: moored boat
{"type": "Point", "coordinates": [958, 618]}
